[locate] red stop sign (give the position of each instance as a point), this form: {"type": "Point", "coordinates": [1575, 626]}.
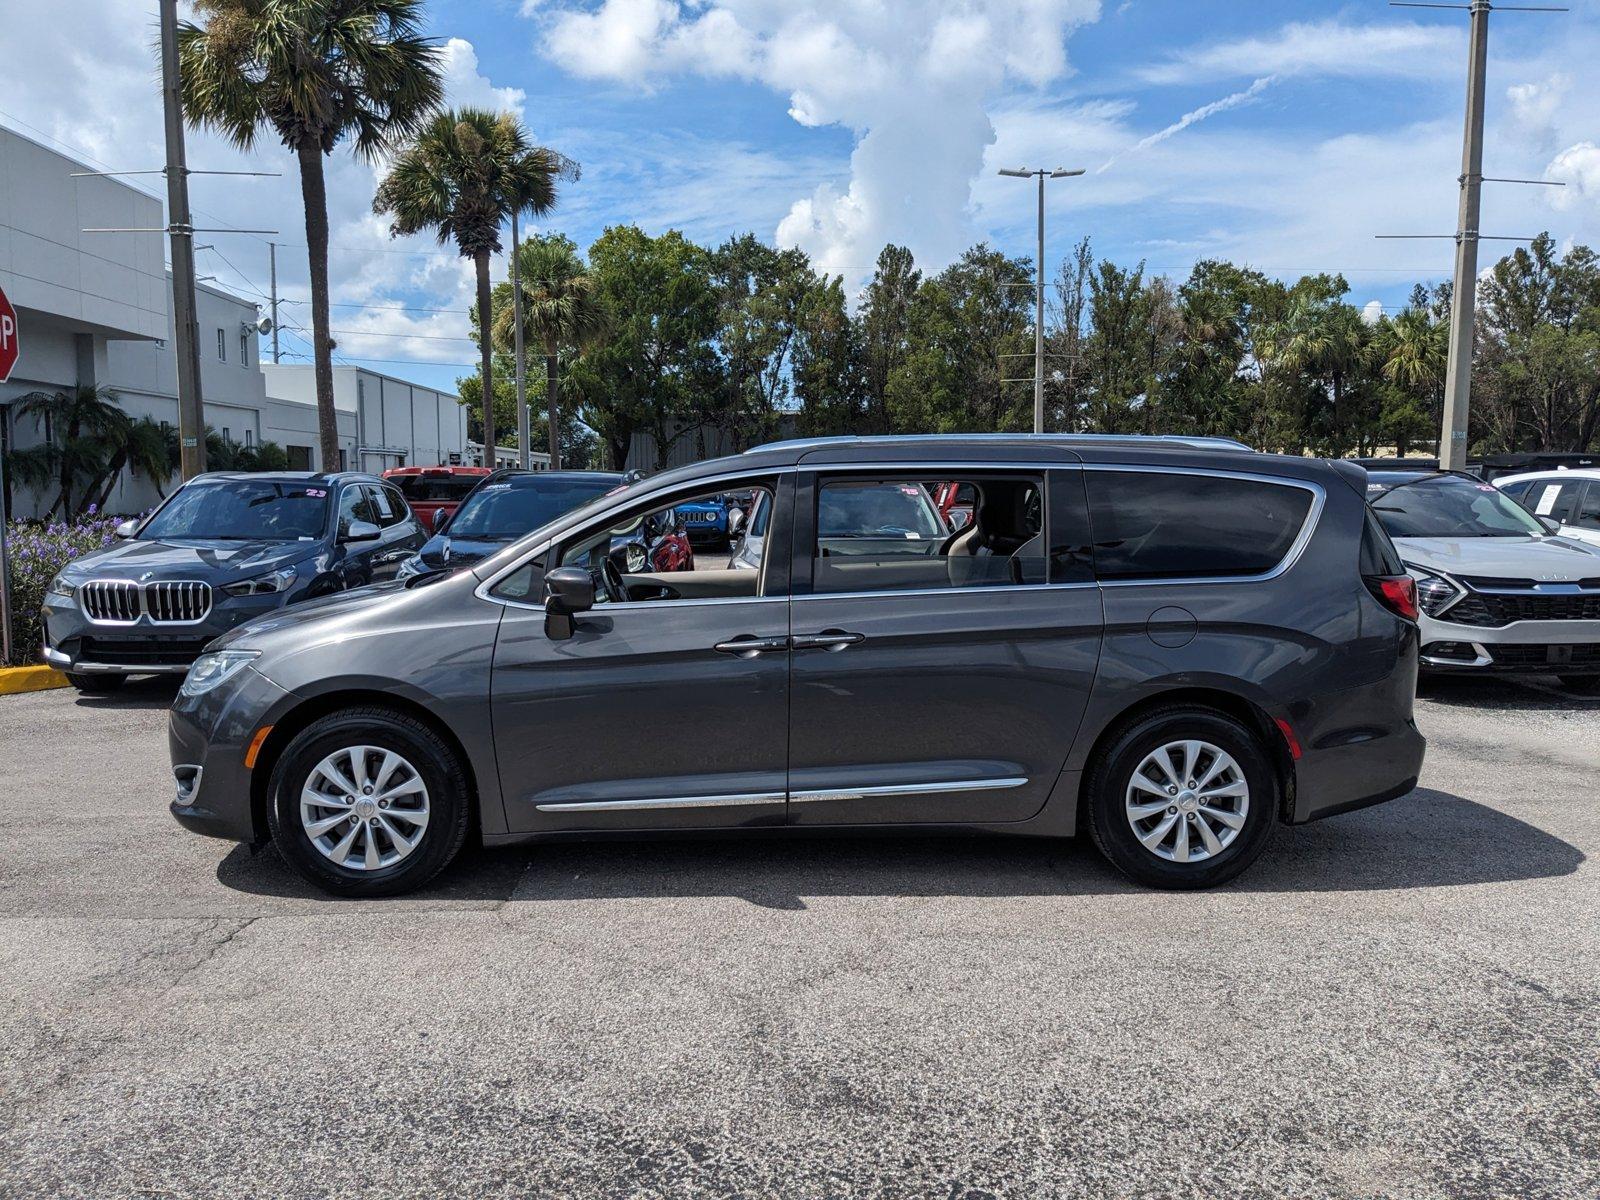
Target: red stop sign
{"type": "Point", "coordinates": [10, 337]}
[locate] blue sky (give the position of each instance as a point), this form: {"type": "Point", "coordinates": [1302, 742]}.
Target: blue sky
{"type": "Point", "coordinates": [1281, 134]}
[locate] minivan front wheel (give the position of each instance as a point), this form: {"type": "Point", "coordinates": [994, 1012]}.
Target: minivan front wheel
{"type": "Point", "coordinates": [368, 802]}
{"type": "Point", "coordinates": [1182, 798]}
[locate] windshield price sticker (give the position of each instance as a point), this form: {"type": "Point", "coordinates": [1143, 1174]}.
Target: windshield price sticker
{"type": "Point", "coordinates": [316, 493]}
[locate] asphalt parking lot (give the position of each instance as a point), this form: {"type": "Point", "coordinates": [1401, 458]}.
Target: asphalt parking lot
{"type": "Point", "coordinates": [1401, 1002]}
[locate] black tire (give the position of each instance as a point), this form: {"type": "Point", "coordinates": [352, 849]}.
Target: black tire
{"type": "Point", "coordinates": [436, 763]}
{"type": "Point", "coordinates": [97, 684]}
{"type": "Point", "coordinates": [1583, 685]}
{"type": "Point", "coordinates": [1110, 775]}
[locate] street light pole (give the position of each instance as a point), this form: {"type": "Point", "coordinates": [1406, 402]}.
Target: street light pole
{"type": "Point", "coordinates": [185, 324]}
{"type": "Point", "coordinates": [1038, 287]}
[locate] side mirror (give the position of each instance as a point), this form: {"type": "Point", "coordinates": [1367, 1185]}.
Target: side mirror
{"type": "Point", "coordinates": [128, 528]}
{"type": "Point", "coordinates": [1551, 525]}
{"type": "Point", "coordinates": [361, 531]}
{"type": "Point", "coordinates": [735, 521]}
{"type": "Point", "coordinates": [440, 519]}
{"type": "Point", "coordinates": [568, 590]}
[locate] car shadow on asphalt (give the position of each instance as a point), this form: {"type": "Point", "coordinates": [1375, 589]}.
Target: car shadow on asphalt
{"type": "Point", "coordinates": [1507, 693]}
{"type": "Point", "coordinates": [1425, 840]}
{"type": "Point", "coordinates": [139, 692]}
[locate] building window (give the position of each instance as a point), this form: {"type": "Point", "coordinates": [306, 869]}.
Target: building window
{"type": "Point", "coordinates": [244, 348]}
{"type": "Point", "coordinates": [222, 345]}
{"type": "Point", "coordinates": [227, 434]}
{"type": "Point", "coordinates": [249, 437]}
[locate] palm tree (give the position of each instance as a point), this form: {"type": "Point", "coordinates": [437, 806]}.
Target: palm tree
{"type": "Point", "coordinates": [314, 72]}
{"type": "Point", "coordinates": [1323, 341]}
{"type": "Point", "coordinates": [85, 427]}
{"type": "Point", "coordinates": [147, 448]}
{"type": "Point", "coordinates": [561, 310]}
{"type": "Point", "coordinates": [462, 176]}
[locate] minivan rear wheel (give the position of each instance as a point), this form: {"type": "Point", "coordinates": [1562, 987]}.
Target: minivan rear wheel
{"type": "Point", "coordinates": [368, 802]}
{"type": "Point", "coordinates": [1182, 798]}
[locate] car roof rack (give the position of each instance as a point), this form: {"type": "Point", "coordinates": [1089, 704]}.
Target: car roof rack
{"type": "Point", "coordinates": [1060, 439]}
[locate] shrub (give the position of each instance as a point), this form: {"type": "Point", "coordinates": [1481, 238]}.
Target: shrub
{"type": "Point", "coordinates": [37, 551]}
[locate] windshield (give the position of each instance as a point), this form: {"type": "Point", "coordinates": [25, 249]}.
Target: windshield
{"type": "Point", "coordinates": [877, 510]}
{"type": "Point", "coordinates": [504, 511]}
{"type": "Point", "coordinates": [241, 510]}
{"type": "Point", "coordinates": [1448, 506]}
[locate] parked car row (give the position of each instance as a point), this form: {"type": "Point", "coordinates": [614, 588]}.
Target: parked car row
{"type": "Point", "coordinates": [1029, 635]}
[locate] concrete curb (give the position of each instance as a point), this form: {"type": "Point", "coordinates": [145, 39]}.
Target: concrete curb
{"type": "Point", "coordinates": [14, 680]}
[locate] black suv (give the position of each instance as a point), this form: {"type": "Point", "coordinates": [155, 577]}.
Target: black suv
{"type": "Point", "coordinates": [1170, 645]}
{"type": "Point", "coordinates": [223, 548]}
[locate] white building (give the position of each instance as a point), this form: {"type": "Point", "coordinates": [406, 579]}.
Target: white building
{"type": "Point", "coordinates": [95, 308]}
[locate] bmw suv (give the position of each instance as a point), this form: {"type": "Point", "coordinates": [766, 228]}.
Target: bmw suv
{"type": "Point", "coordinates": [1500, 588]}
{"type": "Point", "coordinates": [221, 550]}
{"type": "Point", "coordinates": [1171, 648]}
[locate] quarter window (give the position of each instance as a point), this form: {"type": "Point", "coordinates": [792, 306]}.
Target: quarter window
{"type": "Point", "coordinates": [886, 534]}
{"type": "Point", "coordinates": [1588, 514]}
{"type": "Point", "coordinates": [1159, 525]}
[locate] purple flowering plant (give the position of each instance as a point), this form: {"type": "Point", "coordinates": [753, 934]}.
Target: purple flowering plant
{"type": "Point", "coordinates": [37, 552]}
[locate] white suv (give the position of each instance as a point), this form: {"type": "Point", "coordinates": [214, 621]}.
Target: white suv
{"type": "Point", "coordinates": [1571, 497]}
{"type": "Point", "coordinates": [1500, 589]}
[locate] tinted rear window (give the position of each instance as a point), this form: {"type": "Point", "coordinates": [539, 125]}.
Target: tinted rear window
{"type": "Point", "coordinates": [447, 488]}
{"type": "Point", "coordinates": [1173, 526]}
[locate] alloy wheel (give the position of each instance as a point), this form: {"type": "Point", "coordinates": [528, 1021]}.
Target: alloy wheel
{"type": "Point", "coordinates": [364, 808]}
{"type": "Point", "coordinates": [1187, 801]}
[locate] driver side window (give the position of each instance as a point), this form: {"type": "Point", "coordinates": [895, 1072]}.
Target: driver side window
{"type": "Point", "coordinates": [354, 506]}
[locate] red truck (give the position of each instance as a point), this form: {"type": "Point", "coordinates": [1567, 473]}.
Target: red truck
{"type": "Point", "coordinates": [432, 491]}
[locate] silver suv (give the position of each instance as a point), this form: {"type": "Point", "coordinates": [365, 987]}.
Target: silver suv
{"type": "Point", "coordinates": [1499, 589]}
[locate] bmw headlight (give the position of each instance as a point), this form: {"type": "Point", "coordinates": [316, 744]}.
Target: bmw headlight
{"type": "Point", "coordinates": [1435, 593]}
{"type": "Point", "coordinates": [60, 587]}
{"type": "Point", "coordinates": [263, 585]}
{"type": "Point", "coordinates": [212, 670]}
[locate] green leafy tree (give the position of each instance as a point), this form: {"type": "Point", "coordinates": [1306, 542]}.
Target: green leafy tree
{"type": "Point", "coordinates": [316, 73]}
{"type": "Point", "coordinates": [561, 311]}
{"type": "Point", "coordinates": [885, 328]}
{"type": "Point", "coordinates": [462, 176]}
{"type": "Point", "coordinates": [87, 431]}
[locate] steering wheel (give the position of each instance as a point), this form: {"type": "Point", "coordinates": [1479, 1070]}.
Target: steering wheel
{"type": "Point", "coordinates": [611, 582]}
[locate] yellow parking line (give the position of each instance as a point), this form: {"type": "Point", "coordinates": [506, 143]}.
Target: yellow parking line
{"type": "Point", "coordinates": [29, 679]}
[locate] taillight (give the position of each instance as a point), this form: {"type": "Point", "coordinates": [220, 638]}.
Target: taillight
{"type": "Point", "coordinates": [1397, 593]}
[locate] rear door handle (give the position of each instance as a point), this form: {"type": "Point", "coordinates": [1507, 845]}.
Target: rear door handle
{"type": "Point", "coordinates": [828, 639]}
{"type": "Point", "coordinates": [748, 646]}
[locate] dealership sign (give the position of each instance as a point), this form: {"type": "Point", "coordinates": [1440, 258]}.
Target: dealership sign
{"type": "Point", "coordinates": [10, 337]}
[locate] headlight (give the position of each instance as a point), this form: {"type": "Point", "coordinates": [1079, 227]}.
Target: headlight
{"type": "Point", "coordinates": [263, 585]}
{"type": "Point", "coordinates": [637, 560]}
{"type": "Point", "coordinates": [1435, 593]}
{"type": "Point", "coordinates": [211, 670]}
{"type": "Point", "coordinates": [60, 587]}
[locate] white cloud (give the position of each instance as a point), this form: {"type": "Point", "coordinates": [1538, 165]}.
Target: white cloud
{"type": "Point", "coordinates": [1324, 48]}
{"type": "Point", "coordinates": [910, 80]}
{"type": "Point", "coordinates": [1578, 167]}
{"type": "Point", "coordinates": [1194, 117]}
{"type": "Point", "coordinates": [465, 85]}
{"type": "Point", "coordinates": [1372, 312]}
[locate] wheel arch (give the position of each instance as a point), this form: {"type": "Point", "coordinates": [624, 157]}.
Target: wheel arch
{"type": "Point", "coordinates": [289, 725]}
{"type": "Point", "coordinates": [1241, 708]}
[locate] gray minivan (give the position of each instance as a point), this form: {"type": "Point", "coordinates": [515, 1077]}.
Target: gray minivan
{"type": "Point", "coordinates": [1173, 645]}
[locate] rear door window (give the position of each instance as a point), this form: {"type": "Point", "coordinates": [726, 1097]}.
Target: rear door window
{"type": "Point", "coordinates": [1587, 514]}
{"type": "Point", "coordinates": [1552, 497]}
{"type": "Point", "coordinates": [1172, 525]}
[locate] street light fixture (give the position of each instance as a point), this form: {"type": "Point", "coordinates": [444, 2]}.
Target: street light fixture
{"type": "Point", "coordinates": [1038, 284]}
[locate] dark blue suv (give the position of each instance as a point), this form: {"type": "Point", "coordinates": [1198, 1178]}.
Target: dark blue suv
{"type": "Point", "coordinates": [224, 548]}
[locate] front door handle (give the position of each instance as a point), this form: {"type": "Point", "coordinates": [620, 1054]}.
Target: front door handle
{"type": "Point", "coordinates": [828, 639]}
{"type": "Point", "coordinates": [748, 646]}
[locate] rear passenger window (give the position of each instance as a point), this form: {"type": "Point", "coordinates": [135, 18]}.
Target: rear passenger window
{"type": "Point", "coordinates": [1168, 525]}
{"type": "Point", "coordinates": [877, 535]}
{"type": "Point", "coordinates": [1550, 498]}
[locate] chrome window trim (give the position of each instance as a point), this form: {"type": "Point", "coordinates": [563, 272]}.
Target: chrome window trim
{"type": "Point", "coordinates": [731, 800]}
{"type": "Point", "coordinates": [945, 591]}
{"type": "Point", "coordinates": [1308, 527]}
{"type": "Point", "coordinates": [907, 789]}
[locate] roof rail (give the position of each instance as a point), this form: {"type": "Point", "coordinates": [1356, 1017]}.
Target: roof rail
{"type": "Point", "coordinates": [1196, 442]}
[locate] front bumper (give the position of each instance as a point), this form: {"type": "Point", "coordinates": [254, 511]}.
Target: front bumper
{"type": "Point", "coordinates": [208, 737]}
{"type": "Point", "coordinates": [72, 642]}
{"type": "Point", "coordinates": [1547, 647]}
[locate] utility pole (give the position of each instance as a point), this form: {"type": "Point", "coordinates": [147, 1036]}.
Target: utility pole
{"type": "Point", "coordinates": [524, 432]}
{"type": "Point", "coordinates": [272, 259]}
{"type": "Point", "coordinates": [1464, 294]}
{"type": "Point", "coordinates": [191, 408]}
{"type": "Point", "coordinates": [1038, 288]}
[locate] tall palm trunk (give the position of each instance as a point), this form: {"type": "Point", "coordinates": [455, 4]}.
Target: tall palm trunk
{"type": "Point", "coordinates": [314, 194]}
{"type": "Point", "coordinates": [486, 344]}
{"type": "Point", "coordinates": [552, 387]}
